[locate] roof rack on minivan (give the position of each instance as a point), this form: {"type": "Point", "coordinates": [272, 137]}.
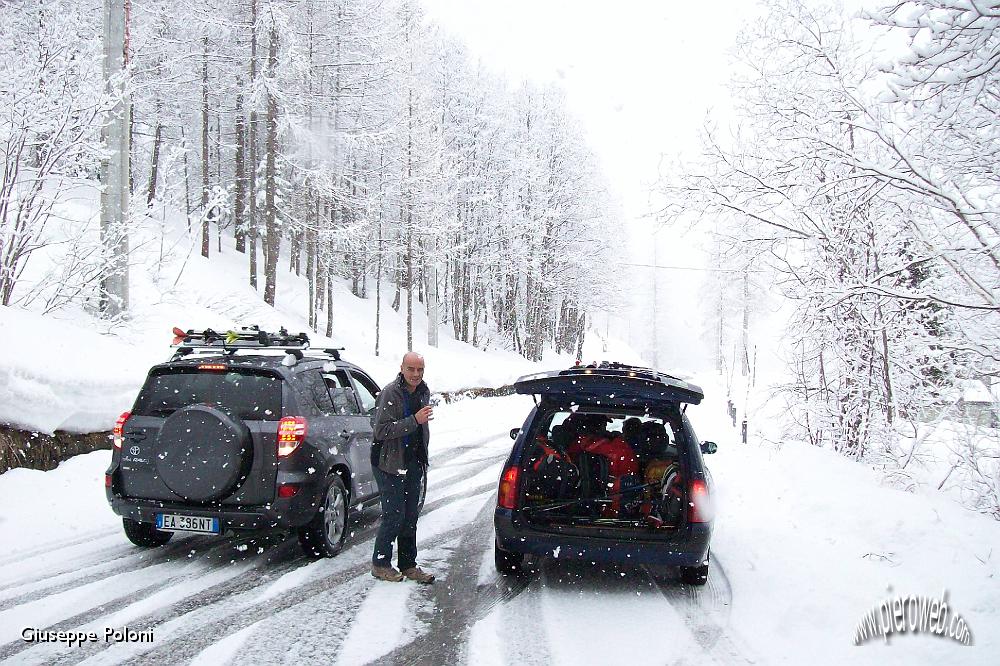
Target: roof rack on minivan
{"type": "Point", "coordinates": [619, 368]}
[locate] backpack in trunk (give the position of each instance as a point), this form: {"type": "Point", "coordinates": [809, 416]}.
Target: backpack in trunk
{"type": "Point", "coordinates": [551, 475]}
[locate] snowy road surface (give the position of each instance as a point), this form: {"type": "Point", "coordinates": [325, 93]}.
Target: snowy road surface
{"type": "Point", "coordinates": [213, 601]}
{"type": "Point", "coordinates": [792, 573]}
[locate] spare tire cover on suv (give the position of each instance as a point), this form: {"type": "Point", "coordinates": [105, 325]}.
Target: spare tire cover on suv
{"type": "Point", "coordinates": [203, 453]}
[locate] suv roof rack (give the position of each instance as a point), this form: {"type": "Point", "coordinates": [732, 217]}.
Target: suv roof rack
{"type": "Point", "coordinates": [247, 339]}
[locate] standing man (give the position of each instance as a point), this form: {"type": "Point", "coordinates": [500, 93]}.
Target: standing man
{"type": "Point", "coordinates": [399, 462]}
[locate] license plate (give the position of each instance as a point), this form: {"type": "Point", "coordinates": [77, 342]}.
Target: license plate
{"type": "Point", "coordinates": [171, 522]}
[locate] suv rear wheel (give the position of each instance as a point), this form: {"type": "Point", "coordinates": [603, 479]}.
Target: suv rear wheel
{"type": "Point", "coordinates": [324, 535]}
{"type": "Point", "coordinates": [144, 534]}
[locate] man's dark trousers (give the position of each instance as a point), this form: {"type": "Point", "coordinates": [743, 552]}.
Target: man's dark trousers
{"type": "Point", "coordinates": [400, 509]}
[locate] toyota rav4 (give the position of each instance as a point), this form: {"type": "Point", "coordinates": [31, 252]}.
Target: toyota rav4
{"type": "Point", "coordinates": [245, 432]}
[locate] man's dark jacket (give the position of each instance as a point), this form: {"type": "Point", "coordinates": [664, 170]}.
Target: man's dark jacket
{"type": "Point", "coordinates": [394, 422]}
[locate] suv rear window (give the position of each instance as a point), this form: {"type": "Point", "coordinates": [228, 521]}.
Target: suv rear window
{"type": "Point", "coordinates": [251, 397]}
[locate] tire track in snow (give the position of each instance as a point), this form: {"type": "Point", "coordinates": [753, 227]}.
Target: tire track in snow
{"type": "Point", "coordinates": [512, 627]}
{"type": "Point", "coordinates": [187, 642]}
{"type": "Point", "coordinates": [110, 600]}
{"type": "Point", "coordinates": [454, 452]}
{"type": "Point", "coordinates": [209, 615]}
{"type": "Point", "coordinates": [64, 580]}
{"type": "Point", "coordinates": [130, 559]}
{"type": "Point", "coordinates": [453, 602]}
{"type": "Point", "coordinates": [580, 605]}
{"type": "Point", "coordinates": [53, 562]}
{"type": "Point", "coordinates": [705, 611]}
{"type": "Point", "coordinates": [51, 546]}
{"type": "Point", "coordinates": [463, 476]}
{"type": "Point", "coordinates": [285, 638]}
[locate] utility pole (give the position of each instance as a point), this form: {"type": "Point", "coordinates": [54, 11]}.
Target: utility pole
{"type": "Point", "coordinates": [745, 361]}
{"type": "Point", "coordinates": [433, 309]}
{"type": "Point", "coordinates": [656, 337]}
{"type": "Point", "coordinates": [115, 164]}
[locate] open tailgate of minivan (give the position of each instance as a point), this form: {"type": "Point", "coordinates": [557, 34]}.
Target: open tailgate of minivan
{"type": "Point", "coordinates": [622, 386]}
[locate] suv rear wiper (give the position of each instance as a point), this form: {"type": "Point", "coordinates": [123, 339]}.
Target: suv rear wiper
{"type": "Point", "coordinates": [162, 411]}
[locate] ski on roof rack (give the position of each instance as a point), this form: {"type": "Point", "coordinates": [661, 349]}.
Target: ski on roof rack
{"type": "Point", "coordinates": [246, 336]}
{"type": "Point", "coordinates": [231, 341]}
{"type": "Point", "coordinates": [246, 339]}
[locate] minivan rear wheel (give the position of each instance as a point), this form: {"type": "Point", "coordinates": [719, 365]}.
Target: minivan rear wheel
{"type": "Point", "coordinates": [324, 535]}
{"type": "Point", "coordinates": [507, 562]}
{"type": "Point", "coordinates": [695, 575]}
{"type": "Point", "coordinates": [144, 534]}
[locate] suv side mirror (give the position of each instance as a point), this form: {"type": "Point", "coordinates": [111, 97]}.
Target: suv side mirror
{"type": "Point", "coordinates": [514, 432]}
{"type": "Point", "coordinates": [709, 447]}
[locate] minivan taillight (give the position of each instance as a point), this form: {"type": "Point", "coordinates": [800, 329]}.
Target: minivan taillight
{"type": "Point", "coordinates": [119, 431]}
{"type": "Point", "coordinates": [700, 509]}
{"type": "Point", "coordinates": [291, 433]}
{"type": "Point", "coordinates": [507, 496]}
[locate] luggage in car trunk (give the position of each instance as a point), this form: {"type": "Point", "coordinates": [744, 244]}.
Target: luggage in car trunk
{"type": "Point", "coordinates": [630, 483]}
{"type": "Point", "coordinates": [612, 491]}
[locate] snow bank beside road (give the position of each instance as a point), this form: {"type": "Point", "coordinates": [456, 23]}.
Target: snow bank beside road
{"type": "Point", "coordinates": [811, 541]}
{"type": "Point", "coordinates": [56, 376]}
{"type": "Point", "coordinates": [67, 503]}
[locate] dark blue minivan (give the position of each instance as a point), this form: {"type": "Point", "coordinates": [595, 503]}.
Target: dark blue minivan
{"type": "Point", "coordinates": [607, 468]}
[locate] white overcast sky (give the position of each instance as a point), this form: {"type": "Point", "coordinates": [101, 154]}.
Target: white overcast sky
{"type": "Point", "coordinates": [641, 75]}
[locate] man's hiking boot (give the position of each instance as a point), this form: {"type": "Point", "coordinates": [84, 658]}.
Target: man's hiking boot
{"type": "Point", "coordinates": [388, 573]}
{"type": "Point", "coordinates": [419, 575]}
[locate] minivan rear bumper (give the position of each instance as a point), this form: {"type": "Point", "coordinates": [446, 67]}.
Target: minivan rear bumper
{"type": "Point", "coordinates": [687, 547]}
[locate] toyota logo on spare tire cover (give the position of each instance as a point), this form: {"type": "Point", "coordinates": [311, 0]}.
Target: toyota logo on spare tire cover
{"type": "Point", "coordinates": [203, 453]}
{"type": "Point", "coordinates": [134, 450]}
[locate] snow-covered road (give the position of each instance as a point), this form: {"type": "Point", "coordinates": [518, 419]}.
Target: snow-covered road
{"type": "Point", "coordinates": [212, 601]}
{"type": "Point", "coordinates": [790, 577]}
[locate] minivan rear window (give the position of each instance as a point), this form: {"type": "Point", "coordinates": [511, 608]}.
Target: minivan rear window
{"type": "Point", "coordinates": [251, 397]}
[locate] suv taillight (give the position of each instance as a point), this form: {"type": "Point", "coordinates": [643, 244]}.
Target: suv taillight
{"type": "Point", "coordinates": [291, 433]}
{"type": "Point", "coordinates": [119, 430]}
{"type": "Point", "coordinates": [507, 495]}
{"type": "Point", "coordinates": [700, 508]}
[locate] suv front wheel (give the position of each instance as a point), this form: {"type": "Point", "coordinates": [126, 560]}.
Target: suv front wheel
{"type": "Point", "coordinates": [324, 535]}
{"type": "Point", "coordinates": [144, 534]}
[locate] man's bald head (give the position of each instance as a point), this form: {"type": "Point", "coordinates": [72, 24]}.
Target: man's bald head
{"type": "Point", "coordinates": [412, 368]}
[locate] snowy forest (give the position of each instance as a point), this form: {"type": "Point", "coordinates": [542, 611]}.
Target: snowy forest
{"type": "Point", "coordinates": [352, 139]}
{"type": "Point", "coordinates": [860, 195]}
{"type": "Point", "coordinates": [853, 189]}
